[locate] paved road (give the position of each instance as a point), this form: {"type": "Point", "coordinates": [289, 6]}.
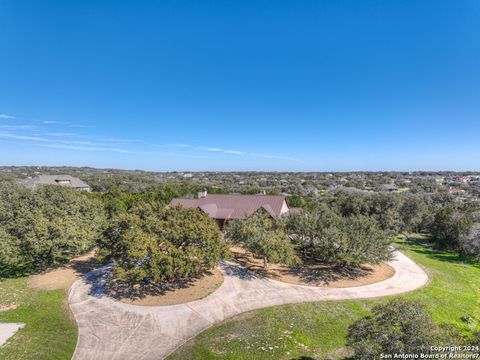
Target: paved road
{"type": "Point", "coordinates": [112, 330]}
{"type": "Point", "coordinates": [7, 330]}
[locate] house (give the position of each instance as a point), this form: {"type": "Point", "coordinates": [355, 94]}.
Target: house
{"type": "Point", "coordinates": [60, 180]}
{"type": "Point", "coordinates": [389, 187]}
{"type": "Point", "coordinates": [456, 191]}
{"type": "Point", "coordinates": [228, 207]}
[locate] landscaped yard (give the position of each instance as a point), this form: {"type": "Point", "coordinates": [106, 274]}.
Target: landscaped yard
{"type": "Point", "coordinates": [285, 332]}
{"type": "Point", "coordinates": [50, 333]}
{"type": "Point", "coordinates": [319, 329]}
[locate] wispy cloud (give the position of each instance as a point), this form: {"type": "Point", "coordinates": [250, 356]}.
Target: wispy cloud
{"type": "Point", "coordinates": [60, 134]}
{"type": "Point", "coordinates": [89, 148]}
{"type": "Point", "coordinates": [62, 138]}
{"type": "Point", "coordinates": [52, 122]}
{"type": "Point", "coordinates": [172, 145]}
{"type": "Point", "coordinates": [119, 140]}
{"type": "Point", "coordinates": [81, 126]}
{"type": "Point", "coordinates": [16, 127]}
{"type": "Point", "coordinates": [225, 151]}
{"type": "Point", "coordinates": [22, 137]}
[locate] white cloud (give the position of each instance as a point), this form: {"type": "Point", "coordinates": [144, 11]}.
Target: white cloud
{"type": "Point", "coordinates": [81, 126]}
{"type": "Point", "coordinates": [89, 148]}
{"type": "Point", "coordinates": [5, 116]}
{"type": "Point", "coordinates": [230, 152]}
{"type": "Point", "coordinates": [22, 137]}
{"type": "Point", "coordinates": [174, 145]}
{"type": "Point", "coordinates": [16, 127]}
{"type": "Point", "coordinates": [235, 152]}
{"type": "Point", "coordinates": [51, 122]}
{"type": "Point", "coordinates": [60, 134]}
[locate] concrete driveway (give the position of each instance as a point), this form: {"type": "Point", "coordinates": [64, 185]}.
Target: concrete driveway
{"type": "Point", "coordinates": [7, 330]}
{"type": "Point", "coordinates": [112, 330]}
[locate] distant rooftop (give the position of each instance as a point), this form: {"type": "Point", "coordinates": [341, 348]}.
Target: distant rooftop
{"type": "Point", "coordinates": [61, 180]}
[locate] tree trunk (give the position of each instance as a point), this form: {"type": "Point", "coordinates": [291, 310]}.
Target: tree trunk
{"type": "Point", "coordinates": [265, 263]}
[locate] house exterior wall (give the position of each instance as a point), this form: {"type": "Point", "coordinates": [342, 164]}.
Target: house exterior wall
{"type": "Point", "coordinates": [284, 208]}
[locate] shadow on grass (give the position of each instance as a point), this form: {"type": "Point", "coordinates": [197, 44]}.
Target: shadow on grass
{"type": "Point", "coordinates": [425, 246]}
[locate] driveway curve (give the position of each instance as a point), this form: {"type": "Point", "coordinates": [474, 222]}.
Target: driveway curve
{"type": "Point", "coordinates": [112, 330]}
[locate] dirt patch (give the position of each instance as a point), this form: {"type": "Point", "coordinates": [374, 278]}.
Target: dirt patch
{"type": "Point", "coordinates": [63, 277]}
{"type": "Point", "coordinates": [4, 308]}
{"type": "Point", "coordinates": [179, 293]}
{"type": "Point", "coordinates": [322, 275]}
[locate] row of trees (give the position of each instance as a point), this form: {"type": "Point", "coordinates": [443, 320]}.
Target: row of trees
{"type": "Point", "coordinates": [52, 224]}
{"type": "Point", "coordinates": [351, 229]}
{"type": "Point", "coordinates": [453, 225]}
{"type": "Point", "coordinates": [318, 235]}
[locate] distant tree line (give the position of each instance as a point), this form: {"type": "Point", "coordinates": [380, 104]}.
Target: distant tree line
{"type": "Point", "coordinates": [453, 225]}
{"type": "Point", "coordinates": [351, 229]}
{"type": "Point", "coordinates": [48, 226]}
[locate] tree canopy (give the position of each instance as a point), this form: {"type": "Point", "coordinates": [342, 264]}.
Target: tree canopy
{"type": "Point", "coordinates": [265, 238]}
{"type": "Point", "coordinates": [45, 227]}
{"type": "Point", "coordinates": [153, 243]}
{"type": "Point", "coordinates": [324, 235]}
{"type": "Point", "coordinates": [397, 327]}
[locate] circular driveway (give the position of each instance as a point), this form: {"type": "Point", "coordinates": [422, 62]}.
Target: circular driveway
{"type": "Point", "coordinates": [108, 329]}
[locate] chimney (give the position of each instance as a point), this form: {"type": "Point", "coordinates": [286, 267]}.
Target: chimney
{"type": "Point", "coordinates": [202, 194]}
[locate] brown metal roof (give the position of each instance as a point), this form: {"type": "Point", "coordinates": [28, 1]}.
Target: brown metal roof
{"type": "Point", "coordinates": [234, 206]}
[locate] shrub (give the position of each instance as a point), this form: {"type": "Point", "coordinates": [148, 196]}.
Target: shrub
{"type": "Point", "coordinates": [397, 327]}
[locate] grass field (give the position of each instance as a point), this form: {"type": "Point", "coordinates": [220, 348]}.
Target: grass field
{"type": "Point", "coordinates": [49, 333]}
{"type": "Point", "coordinates": [318, 330]}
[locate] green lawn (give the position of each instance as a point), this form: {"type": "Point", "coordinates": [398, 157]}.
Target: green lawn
{"type": "Point", "coordinates": [318, 330]}
{"type": "Point", "coordinates": [49, 332]}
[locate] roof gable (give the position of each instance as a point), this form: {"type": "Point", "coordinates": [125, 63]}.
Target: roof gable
{"type": "Point", "coordinates": [234, 206]}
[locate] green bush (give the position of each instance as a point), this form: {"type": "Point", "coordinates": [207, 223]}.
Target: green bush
{"type": "Point", "coordinates": [397, 327]}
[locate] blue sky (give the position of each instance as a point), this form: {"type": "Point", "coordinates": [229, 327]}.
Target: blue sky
{"type": "Point", "coordinates": [247, 85]}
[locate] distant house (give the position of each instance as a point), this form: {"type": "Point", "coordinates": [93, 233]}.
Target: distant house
{"type": "Point", "coordinates": [463, 179]}
{"type": "Point", "coordinates": [389, 187]}
{"type": "Point", "coordinates": [456, 191]}
{"type": "Point", "coordinates": [228, 207]}
{"type": "Point", "coordinates": [60, 180]}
